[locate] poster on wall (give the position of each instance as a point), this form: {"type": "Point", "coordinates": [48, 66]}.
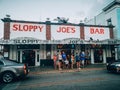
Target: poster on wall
{"type": "Point", "coordinates": [60, 32]}
{"type": "Point", "coordinates": [37, 31]}
{"type": "Point", "coordinates": [97, 33]}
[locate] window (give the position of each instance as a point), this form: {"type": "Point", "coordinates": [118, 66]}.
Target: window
{"type": "Point", "coordinates": [109, 22]}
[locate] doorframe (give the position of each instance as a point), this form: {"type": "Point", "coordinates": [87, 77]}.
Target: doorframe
{"type": "Point", "coordinates": [93, 59]}
{"type": "Point", "coordinates": [36, 53]}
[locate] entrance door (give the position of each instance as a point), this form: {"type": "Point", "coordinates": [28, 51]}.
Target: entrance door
{"type": "Point", "coordinates": [28, 56]}
{"type": "Point", "coordinates": [98, 56]}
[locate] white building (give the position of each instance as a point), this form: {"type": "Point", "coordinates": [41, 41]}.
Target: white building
{"type": "Point", "coordinates": [110, 15]}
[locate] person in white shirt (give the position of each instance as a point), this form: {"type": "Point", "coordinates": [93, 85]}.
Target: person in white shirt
{"type": "Point", "coordinates": [60, 60]}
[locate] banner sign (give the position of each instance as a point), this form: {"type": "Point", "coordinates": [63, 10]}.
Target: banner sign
{"type": "Point", "coordinates": [95, 33]}
{"type": "Point", "coordinates": [59, 32]}
{"type": "Point", "coordinates": [27, 30]}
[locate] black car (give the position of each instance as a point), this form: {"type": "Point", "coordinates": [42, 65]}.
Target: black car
{"type": "Point", "coordinates": [114, 66]}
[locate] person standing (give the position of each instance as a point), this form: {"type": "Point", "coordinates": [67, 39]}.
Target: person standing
{"type": "Point", "coordinates": [60, 61]}
{"type": "Point", "coordinates": [64, 57]}
{"type": "Point", "coordinates": [55, 60]}
{"type": "Point", "coordinates": [77, 61]}
{"type": "Point", "coordinates": [82, 58]}
{"type": "Point", "coordinates": [87, 57]}
{"type": "Point", "coordinates": [67, 63]}
{"type": "Point", "coordinates": [72, 60]}
{"type": "Point", "coordinates": [69, 59]}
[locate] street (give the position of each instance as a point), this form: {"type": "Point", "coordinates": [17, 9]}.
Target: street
{"type": "Point", "coordinates": [82, 80]}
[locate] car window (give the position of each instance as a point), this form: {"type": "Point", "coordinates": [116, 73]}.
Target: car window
{"type": "Point", "coordinates": [9, 62]}
{"type": "Point", "coordinates": [1, 63]}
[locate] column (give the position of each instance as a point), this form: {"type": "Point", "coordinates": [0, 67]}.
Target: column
{"type": "Point", "coordinates": [6, 27]}
{"type": "Point", "coordinates": [92, 56]}
{"type": "Point", "coordinates": [82, 34]}
{"type": "Point", "coordinates": [116, 54]}
{"type": "Point", "coordinates": [111, 32]}
{"type": "Point", "coordinates": [37, 58]}
{"type": "Point", "coordinates": [104, 56]}
{"type": "Point", "coordinates": [48, 30]}
{"type": "Point", "coordinates": [21, 56]}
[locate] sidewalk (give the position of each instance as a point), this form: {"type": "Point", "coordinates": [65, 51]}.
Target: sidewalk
{"type": "Point", "coordinates": [50, 69]}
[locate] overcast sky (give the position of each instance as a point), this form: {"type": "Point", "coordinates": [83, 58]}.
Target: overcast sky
{"type": "Point", "coordinates": [39, 10]}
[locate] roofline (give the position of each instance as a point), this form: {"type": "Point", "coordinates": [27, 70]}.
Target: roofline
{"type": "Point", "coordinates": [115, 2]}
{"type": "Point", "coordinates": [53, 23]}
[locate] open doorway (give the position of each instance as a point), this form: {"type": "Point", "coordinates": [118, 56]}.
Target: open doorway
{"type": "Point", "coordinates": [98, 55]}
{"type": "Point", "coordinates": [28, 56]}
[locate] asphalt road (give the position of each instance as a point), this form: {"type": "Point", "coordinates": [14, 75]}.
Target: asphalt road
{"type": "Point", "coordinates": [83, 80]}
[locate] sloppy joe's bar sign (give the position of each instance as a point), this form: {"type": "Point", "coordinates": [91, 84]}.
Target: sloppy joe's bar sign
{"type": "Point", "coordinates": [95, 33]}
{"type": "Point", "coordinates": [27, 29]}
{"type": "Point", "coordinates": [59, 32]}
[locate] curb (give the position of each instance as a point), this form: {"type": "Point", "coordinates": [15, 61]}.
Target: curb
{"type": "Point", "coordinates": [64, 71]}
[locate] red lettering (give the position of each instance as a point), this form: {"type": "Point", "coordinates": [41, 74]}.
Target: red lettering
{"type": "Point", "coordinates": [91, 30]}
{"type": "Point", "coordinates": [34, 28]}
{"type": "Point", "coordinates": [96, 31]}
{"type": "Point", "coordinates": [59, 30]}
{"type": "Point", "coordinates": [30, 27]}
{"type": "Point", "coordinates": [15, 27]}
{"type": "Point", "coordinates": [21, 27]}
{"type": "Point", "coordinates": [25, 27]}
{"type": "Point", "coordinates": [66, 30]}
{"type": "Point", "coordinates": [102, 31]}
{"type": "Point", "coordinates": [40, 27]}
{"type": "Point", "coordinates": [73, 30]}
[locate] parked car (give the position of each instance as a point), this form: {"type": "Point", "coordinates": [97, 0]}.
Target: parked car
{"type": "Point", "coordinates": [9, 70]}
{"type": "Point", "coordinates": [114, 66]}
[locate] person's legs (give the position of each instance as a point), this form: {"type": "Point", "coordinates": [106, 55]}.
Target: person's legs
{"type": "Point", "coordinates": [55, 65]}
{"type": "Point", "coordinates": [72, 65]}
{"type": "Point", "coordinates": [59, 65]}
{"type": "Point", "coordinates": [83, 61]}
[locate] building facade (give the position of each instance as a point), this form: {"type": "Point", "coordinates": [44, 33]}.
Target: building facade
{"type": "Point", "coordinates": [36, 42]}
{"type": "Point", "coordinates": [110, 15]}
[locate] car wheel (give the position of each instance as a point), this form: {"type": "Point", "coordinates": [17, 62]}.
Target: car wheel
{"type": "Point", "coordinates": [7, 77]}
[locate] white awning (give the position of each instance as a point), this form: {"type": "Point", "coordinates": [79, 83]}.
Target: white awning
{"type": "Point", "coordinates": [28, 40]}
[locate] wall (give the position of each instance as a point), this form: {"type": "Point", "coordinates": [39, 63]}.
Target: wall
{"type": "Point", "coordinates": [118, 22]}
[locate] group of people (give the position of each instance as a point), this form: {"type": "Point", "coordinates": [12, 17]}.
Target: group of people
{"type": "Point", "coordinates": [63, 60]}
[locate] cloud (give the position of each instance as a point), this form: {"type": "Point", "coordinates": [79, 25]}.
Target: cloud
{"type": "Point", "coordinates": [80, 13]}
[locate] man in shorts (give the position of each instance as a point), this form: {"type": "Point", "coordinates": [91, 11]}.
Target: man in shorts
{"type": "Point", "coordinates": [82, 58]}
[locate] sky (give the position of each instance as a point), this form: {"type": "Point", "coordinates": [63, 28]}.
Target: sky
{"type": "Point", "coordinates": [39, 10]}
